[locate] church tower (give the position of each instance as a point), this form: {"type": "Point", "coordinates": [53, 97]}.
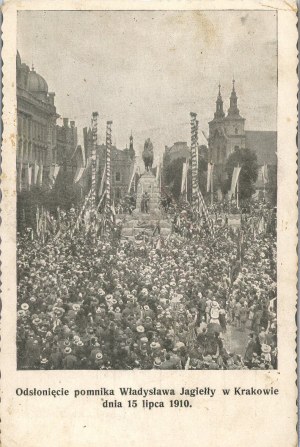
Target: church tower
{"type": "Point", "coordinates": [131, 150]}
{"type": "Point", "coordinates": [234, 125]}
{"type": "Point", "coordinates": [233, 109]}
{"type": "Point", "coordinates": [219, 113]}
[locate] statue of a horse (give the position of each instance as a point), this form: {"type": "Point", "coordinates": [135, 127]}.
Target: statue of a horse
{"type": "Point", "coordinates": [148, 154]}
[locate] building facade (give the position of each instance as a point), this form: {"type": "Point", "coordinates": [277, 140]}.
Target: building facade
{"type": "Point", "coordinates": [36, 128]}
{"type": "Point", "coordinates": [226, 133]}
{"type": "Point", "coordinates": [122, 166]}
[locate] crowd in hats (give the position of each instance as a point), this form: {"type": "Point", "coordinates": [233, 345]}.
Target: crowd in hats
{"type": "Point", "coordinates": [90, 302]}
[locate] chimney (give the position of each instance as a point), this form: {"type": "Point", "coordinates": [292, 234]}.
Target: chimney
{"type": "Point", "coordinates": [66, 122]}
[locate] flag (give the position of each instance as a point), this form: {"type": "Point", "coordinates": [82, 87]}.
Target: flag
{"type": "Point", "coordinates": [29, 175]}
{"type": "Point", "coordinates": [102, 182]}
{"type": "Point", "coordinates": [234, 180]}
{"type": "Point", "coordinates": [184, 177]}
{"type": "Point", "coordinates": [264, 173]}
{"type": "Point", "coordinates": [56, 171]}
{"type": "Point", "coordinates": [40, 176]}
{"type": "Point", "coordinates": [210, 170]}
{"type": "Point", "coordinates": [132, 178]}
{"type": "Point", "coordinates": [78, 174]}
{"type": "Point", "coordinates": [36, 172]}
{"type": "Point", "coordinates": [37, 219]}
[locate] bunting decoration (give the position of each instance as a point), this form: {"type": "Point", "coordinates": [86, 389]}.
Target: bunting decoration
{"type": "Point", "coordinates": [108, 165]}
{"type": "Point", "coordinates": [93, 157]}
{"type": "Point", "coordinates": [198, 203]}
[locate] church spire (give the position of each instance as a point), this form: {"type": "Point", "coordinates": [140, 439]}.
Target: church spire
{"type": "Point", "coordinates": [233, 109]}
{"type": "Point", "coordinates": [219, 113]}
{"type": "Point", "coordinates": [131, 149]}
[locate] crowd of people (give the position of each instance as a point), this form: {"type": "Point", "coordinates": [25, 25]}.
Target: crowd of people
{"type": "Point", "coordinates": [103, 302]}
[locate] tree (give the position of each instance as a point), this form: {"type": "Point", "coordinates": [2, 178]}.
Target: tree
{"type": "Point", "coordinates": [173, 176]}
{"type": "Point", "coordinates": [247, 160]}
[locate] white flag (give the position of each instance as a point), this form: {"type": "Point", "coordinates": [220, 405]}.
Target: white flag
{"type": "Point", "coordinates": [40, 178]}
{"type": "Point", "coordinates": [78, 174]}
{"type": "Point", "coordinates": [102, 181]}
{"type": "Point", "coordinates": [264, 173]}
{"type": "Point", "coordinates": [234, 180]}
{"type": "Point", "coordinates": [36, 172]}
{"type": "Point", "coordinates": [29, 175]}
{"type": "Point", "coordinates": [184, 175]}
{"type": "Point", "coordinates": [210, 169]}
{"type": "Point", "coordinates": [132, 177]}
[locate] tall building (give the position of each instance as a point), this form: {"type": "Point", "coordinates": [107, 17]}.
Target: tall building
{"type": "Point", "coordinates": [225, 133]}
{"type": "Point", "coordinates": [36, 121]}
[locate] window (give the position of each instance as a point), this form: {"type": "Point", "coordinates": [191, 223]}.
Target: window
{"type": "Point", "coordinates": [218, 154]}
{"type": "Point", "coordinates": [236, 130]}
{"type": "Point", "coordinates": [118, 176]}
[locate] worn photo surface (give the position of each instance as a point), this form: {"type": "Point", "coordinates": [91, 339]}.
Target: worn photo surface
{"type": "Point", "coordinates": [146, 182]}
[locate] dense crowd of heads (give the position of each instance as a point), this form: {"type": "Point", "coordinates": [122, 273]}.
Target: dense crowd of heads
{"type": "Point", "coordinates": [90, 302]}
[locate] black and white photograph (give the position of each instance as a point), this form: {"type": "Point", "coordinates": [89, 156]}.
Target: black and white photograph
{"type": "Point", "coordinates": [146, 183]}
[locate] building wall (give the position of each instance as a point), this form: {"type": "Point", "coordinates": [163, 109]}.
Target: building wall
{"type": "Point", "coordinates": [36, 135]}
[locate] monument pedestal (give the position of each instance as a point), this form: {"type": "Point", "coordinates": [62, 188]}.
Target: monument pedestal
{"type": "Point", "coordinates": [148, 183]}
{"type": "Point", "coordinates": [141, 222]}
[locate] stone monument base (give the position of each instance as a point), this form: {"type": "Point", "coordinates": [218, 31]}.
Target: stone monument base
{"type": "Point", "coordinates": [146, 223]}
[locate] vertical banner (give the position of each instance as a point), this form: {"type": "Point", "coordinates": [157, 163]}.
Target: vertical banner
{"type": "Point", "coordinates": [108, 167]}
{"type": "Point", "coordinates": [36, 172]}
{"type": "Point", "coordinates": [184, 178]}
{"type": "Point", "coordinates": [94, 150]}
{"type": "Point", "coordinates": [194, 158]}
{"type": "Point", "coordinates": [234, 180]}
{"type": "Point", "coordinates": [132, 177]}
{"type": "Point", "coordinates": [209, 169]}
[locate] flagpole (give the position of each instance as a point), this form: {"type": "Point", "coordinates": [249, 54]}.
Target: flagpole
{"type": "Point", "coordinates": [264, 181]}
{"type": "Point", "coordinates": [212, 184]}
{"type": "Point", "coordinates": [237, 190]}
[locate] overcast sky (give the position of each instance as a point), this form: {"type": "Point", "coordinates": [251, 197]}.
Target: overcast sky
{"type": "Point", "coordinates": [147, 70]}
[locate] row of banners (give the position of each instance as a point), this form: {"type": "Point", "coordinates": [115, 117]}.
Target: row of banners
{"type": "Point", "coordinates": [34, 175]}
{"type": "Point", "coordinates": [262, 176]}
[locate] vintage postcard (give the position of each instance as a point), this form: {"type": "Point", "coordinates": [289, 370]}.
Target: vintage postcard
{"type": "Point", "coordinates": [149, 223]}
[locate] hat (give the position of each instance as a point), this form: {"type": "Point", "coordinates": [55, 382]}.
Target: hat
{"type": "Point", "coordinates": [265, 348]}
{"type": "Point", "coordinates": [67, 350]}
{"type": "Point", "coordinates": [44, 361]}
{"type": "Point", "coordinates": [99, 355]}
{"type": "Point", "coordinates": [146, 308]}
{"type": "Point", "coordinates": [157, 361]}
{"type": "Point", "coordinates": [76, 306]}
{"type": "Point", "coordinates": [24, 306]}
{"type": "Point", "coordinates": [140, 328]}
{"type": "Point", "coordinates": [21, 313]}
